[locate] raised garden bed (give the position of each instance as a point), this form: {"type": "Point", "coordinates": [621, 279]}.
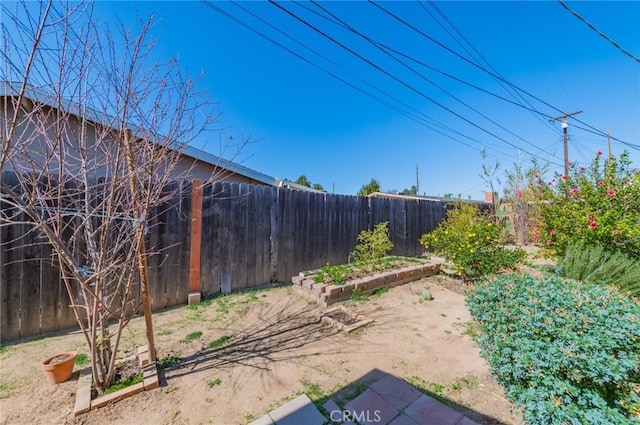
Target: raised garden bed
{"type": "Point", "coordinates": [328, 294]}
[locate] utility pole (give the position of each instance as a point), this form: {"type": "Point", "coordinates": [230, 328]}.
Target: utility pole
{"type": "Point", "coordinates": [565, 124]}
{"type": "Point", "coordinates": [417, 182]}
{"type": "Point", "coordinates": [609, 141]}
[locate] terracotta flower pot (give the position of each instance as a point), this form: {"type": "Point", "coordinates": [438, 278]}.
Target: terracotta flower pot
{"type": "Point", "coordinates": [59, 368]}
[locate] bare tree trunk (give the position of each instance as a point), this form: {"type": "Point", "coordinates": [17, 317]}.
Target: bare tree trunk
{"type": "Point", "coordinates": [71, 97]}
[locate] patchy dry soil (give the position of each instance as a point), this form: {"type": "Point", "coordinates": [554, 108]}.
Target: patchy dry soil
{"type": "Point", "coordinates": [261, 348]}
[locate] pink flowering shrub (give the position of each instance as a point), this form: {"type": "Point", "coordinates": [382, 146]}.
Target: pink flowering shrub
{"type": "Point", "coordinates": [598, 205]}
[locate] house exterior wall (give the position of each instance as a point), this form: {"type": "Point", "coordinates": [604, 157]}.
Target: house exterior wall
{"type": "Point", "coordinates": [101, 146]}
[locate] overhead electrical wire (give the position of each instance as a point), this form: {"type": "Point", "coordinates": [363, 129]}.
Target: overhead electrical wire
{"type": "Point", "coordinates": [368, 39]}
{"type": "Point", "coordinates": [409, 107]}
{"type": "Point", "coordinates": [514, 93]}
{"type": "Point", "coordinates": [333, 75]}
{"type": "Point", "coordinates": [533, 111]}
{"type": "Point", "coordinates": [597, 31]}
{"type": "Point", "coordinates": [390, 75]}
{"type": "Point", "coordinates": [482, 68]}
{"type": "Point", "coordinates": [453, 77]}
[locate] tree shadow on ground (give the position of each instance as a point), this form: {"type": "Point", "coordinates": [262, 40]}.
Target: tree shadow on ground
{"type": "Point", "coordinates": [277, 335]}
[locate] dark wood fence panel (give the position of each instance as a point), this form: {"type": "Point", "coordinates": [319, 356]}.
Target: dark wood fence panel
{"type": "Point", "coordinates": [251, 236]}
{"type": "Point", "coordinates": [50, 303]}
{"type": "Point", "coordinates": [11, 256]}
{"type": "Point", "coordinates": [30, 288]}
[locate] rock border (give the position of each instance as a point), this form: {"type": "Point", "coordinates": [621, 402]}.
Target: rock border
{"type": "Point", "coordinates": [83, 395]}
{"type": "Point", "coordinates": [331, 294]}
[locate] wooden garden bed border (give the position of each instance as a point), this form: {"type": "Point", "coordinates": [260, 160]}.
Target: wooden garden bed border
{"type": "Point", "coordinates": [83, 395]}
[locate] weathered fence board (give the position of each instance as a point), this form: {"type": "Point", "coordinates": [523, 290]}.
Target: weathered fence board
{"type": "Point", "coordinates": [30, 285]}
{"type": "Point", "coordinates": [11, 256]}
{"type": "Point", "coordinates": [251, 236]}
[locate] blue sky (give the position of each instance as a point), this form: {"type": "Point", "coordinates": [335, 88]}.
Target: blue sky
{"type": "Point", "coordinates": [305, 121]}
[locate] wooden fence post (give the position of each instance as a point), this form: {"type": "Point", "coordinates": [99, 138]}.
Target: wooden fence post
{"type": "Point", "coordinates": [196, 238]}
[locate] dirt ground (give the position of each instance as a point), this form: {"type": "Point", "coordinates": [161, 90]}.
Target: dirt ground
{"type": "Point", "coordinates": [260, 349]}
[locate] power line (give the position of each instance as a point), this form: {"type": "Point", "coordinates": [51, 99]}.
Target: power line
{"type": "Point", "coordinates": [373, 42]}
{"type": "Point", "coordinates": [428, 37]}
{"type": "Point", "coordinates": [514, 94]}
{"type": "Point", "coordinates": [333, 75]}
{"type": "Point", "coordinates": [409, 107]}
{"type": "Point", "coordinates": [390, 75]}
{"type": "Point", "coordinates": [600, 33]}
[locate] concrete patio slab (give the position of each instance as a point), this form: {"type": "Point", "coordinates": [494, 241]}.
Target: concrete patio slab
{"type": "Point", "coordinates": [298, 411]}
{"type": "Point", "coordinates": [396, 391]}
{"type": "Point", "coordinates": [429, 411]}
{"type": "Point", "coordinates": [370, 408]}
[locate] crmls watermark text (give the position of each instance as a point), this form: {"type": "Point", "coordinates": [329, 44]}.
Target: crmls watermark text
{"type": "Point", "coordinates": [339, 416]}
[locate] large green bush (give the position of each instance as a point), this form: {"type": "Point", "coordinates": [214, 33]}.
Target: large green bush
{"type": "Point", "coordinates": [470, 240]}
{"type": "Point", "coordinates": [598, 204]}
{"type": "Point", "coordinates": [565, 353]}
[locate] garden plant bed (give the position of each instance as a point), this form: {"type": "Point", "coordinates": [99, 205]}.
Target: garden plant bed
{"type": "Point", "coordinates": [85, 403]}
{"type": "Point", "coordinates": [344, 319]}
{"type": "Point", "coordinates": [328, 294]}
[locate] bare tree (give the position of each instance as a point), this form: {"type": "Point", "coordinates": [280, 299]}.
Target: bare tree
{"type": "Point", "coordinates": [92, 130]}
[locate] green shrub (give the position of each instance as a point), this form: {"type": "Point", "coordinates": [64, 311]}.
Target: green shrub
{"type": "Point", "coordinates": [593, 264]}
{"type": "Point", "coordinates": [469, 239]}
{"type": "Point", "coordinates": [373, 245]}
{"type": "Point", "coordinates": [332, 275]}
{"type": "Point", "coordinates": [565, 352]}
{"type": "Point", "coordinates": [598, 204]}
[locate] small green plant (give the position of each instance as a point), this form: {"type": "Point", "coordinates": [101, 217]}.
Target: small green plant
{"type": "Point", "coordinates": [565, 352]}
{"type": "Point", "coordinates": [190, 337]}
{"type": "Point", "coordinates": [214, 382]}
{"type": "Point", "coordinates": [464, 382]}
{"type": "Point", "coordinates": [358, 296]}
{"type": "Point", "coordinates": [432, 389]}
{"type": "Point", "coordinates": [594, 264]}
{"type": "Point", "coordinates": [132, 380]}
{"type": "Point", "coordinates": [165, 332]}
{"type": "Point", "coordinates": [3, 348]}
{"type": "Point", "coordinates": [207, 301]}
{"type": "Point", "coordinates": [82, 359]}
{"type": "Point", "coordinates": [373, 245]}
{"type": "Point", "coordinates": [332, 275]}
{"type": "Point", "coordinates": [380, 291]}
{"type": "Point", "coordinates": [168, 362]}
{"type": "Point", "coordinates": [220, 341]}
{"type": "Point", "coordinates": [470, 240]}
{"type": "Point", "coordinates": [312, 390]}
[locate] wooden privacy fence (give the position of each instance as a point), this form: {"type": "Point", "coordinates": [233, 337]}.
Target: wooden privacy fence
{"type": "Point", "coordinates": [251, 236]}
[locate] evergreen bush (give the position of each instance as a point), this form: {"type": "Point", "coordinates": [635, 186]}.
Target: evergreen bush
{"type": "Point", "coordinates": [565, 352]}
